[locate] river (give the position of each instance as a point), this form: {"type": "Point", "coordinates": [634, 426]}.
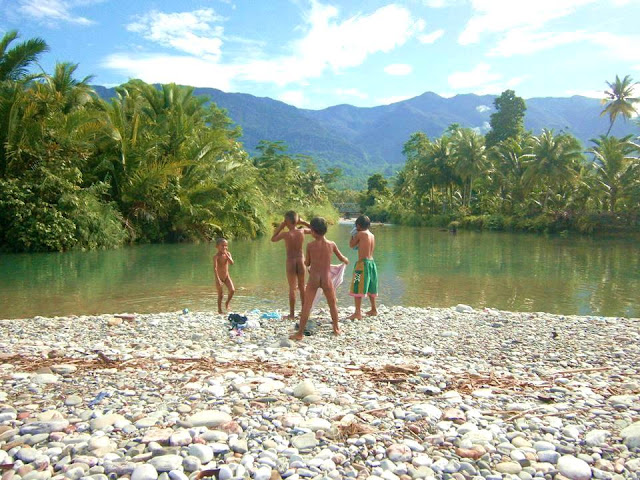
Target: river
{"type": "Point", "coordinates": [417, 267]}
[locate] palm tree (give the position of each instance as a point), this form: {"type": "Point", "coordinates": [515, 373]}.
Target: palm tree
{"type": "Point", "coordinates": [616, 169]}
{"type": "Point", "coordinates": [15, 63]}
{"type": "Point", "coordinates": [510, 159]}
{"type": "Point", "coordinates": [69, 92]}
{"type": "Point", "coordinates": [554, 161]}
{"type": "Point", "coordinates": [469, 159]}
{"type": "Point", "coordinates": [619, 100]}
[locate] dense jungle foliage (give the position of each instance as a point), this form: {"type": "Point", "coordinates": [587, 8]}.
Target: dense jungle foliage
{"type": "Point", "coordinates": [151, 165]}
{"type": "Point", "coordinates": [511, 179]}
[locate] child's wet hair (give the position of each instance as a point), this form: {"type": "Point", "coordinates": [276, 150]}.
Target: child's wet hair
{"type": "Point", "coordinates": [363, 222]}
{"type": "Point", "coordinates": [220, 240]}
{"type": "Point", "coordinates": [291, 216]}
{"type": "Point", "coordinates": [318, 225]}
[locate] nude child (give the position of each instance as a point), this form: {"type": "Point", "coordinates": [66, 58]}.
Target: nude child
{"type": "Point", "coordinates": [293, 241]}
{"type": "Point", "coordinates": [318, 259]}
{"type": "Point", "coordinates": [221, 261]}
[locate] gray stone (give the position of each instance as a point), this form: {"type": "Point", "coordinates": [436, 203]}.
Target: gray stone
{"type": "Point", "coordinates": [45, 378]}
{"type": "Point", "coordinates": [315, 424]}
{"type": "Point", "coordinates": [180, 438]}
{"type": "Point", "coordinates": [462, 308]}
{"type": "Point", "coordinates": [399, 452]}
{"type": "Point", "coordinates": [239, 446]}
{"type": "Point", "coordinates": [202, 452]}
{"type": "Point", "coordinates": [262, 473]}
{"type": "Point", "coordinates": [108, 421]}
{"type": "Point", "coordinates": [595, 438]}
{"type": "Point", "coordinates": [209, 418]}
{"type": "Point", "coordinates": [145, 471]}
{"type": "Point", "coordinates": [166, 463]}
{"type": "Point", "coordinates": [50, 426]}
{"type": "Point", "coordinates": [574, 468]}
{"type": "Point", "coordinates": [512, 468]}
{"type": "Point", "coordinates": [630, 435]}
{"type": "Point", "coordinates": [177, 475]}
{"type": "Point", "coordinates": [549, 456]}
{"type": "Point", "coordinates": [304, 442]}
{"type": "Point", "coordinates": [73, 400]}
{"type": "Point", "coordinates": [304, 389]}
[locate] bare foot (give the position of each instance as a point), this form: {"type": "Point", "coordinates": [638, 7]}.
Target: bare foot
{"type": "Point", "coordinates": [337, 331]}
{"type": "Point", "coordinates": [296, 336]}
{"type": "Point", "coordinates": [372, 313]}
{"type": "Point", "coordinates": [226, 305]}
{"type": "Point", "coordinates": [220, 312]}
{"type": "Point", "coordinates": [289, 317]}
{"type": "Point", "coordinates": [355, 316]}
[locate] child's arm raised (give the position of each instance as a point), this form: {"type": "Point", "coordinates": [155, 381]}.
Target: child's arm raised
{"type": "Point", "coordinates": [229, 257]}
{"type": "Point", "coordinates": [355, 240]}
{"type": "Point", "coordinates": [278, 234]}
{"type": "Point", "coordinates": [307, 229]}
{"type": "Point", "coordinates": [339, 254]}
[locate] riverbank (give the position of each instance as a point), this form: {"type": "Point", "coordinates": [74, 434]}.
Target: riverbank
{"type": "Point", "coordinates": [413, 393]}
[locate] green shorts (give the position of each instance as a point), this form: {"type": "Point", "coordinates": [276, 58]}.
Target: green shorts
{"type": "Point", "coordinates": [365, 279]}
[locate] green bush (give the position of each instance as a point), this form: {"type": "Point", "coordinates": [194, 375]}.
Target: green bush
{"type": "Point", "coordinates": [30, 222]}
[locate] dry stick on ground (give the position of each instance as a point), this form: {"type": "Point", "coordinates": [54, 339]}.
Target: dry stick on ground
{"type": "Point", "coordinates": [579, 370]}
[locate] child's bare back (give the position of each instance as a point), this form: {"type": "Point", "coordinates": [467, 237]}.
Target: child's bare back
{"type": "Point", "coordinates": [319, 253]}
{"type": "Point", "coordinates": [293, 241]}
{"type": "Point", "coordinates": [318, 259]}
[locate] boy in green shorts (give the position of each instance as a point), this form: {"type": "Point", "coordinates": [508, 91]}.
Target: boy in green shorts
{"type": "Point", "coordinates": [365, 273]}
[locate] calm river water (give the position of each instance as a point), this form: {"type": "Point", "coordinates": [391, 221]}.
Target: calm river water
{"type": "Point", "coordinates": [417, 267]}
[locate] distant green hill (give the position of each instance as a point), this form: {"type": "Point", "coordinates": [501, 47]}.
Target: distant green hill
{"type": "Point", "coordinates": [365, 140]}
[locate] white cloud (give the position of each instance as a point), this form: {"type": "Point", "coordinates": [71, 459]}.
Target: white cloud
{"type": "Point", "coordinates": [431, 37]}
{"type": "Point", "coordinates": [188, 32]}
{"type": "Point", "coordinates": [520, 28]}
{"type": "Point", "coordinates": [398, 69]}
{"type": "Point", "coordinates": [351, 92]}
{"type": "Point", "coordinates": [623, 47]}
{"type": "Point", "coordinates": [53, 11]}
{"type": "Point", "coordinates": [492, 16]}
{"type": "Point", "coordinates": [523, 42]}
{"type": "Point", "coordinates": [327, 44]}
{"type": "Point", "coordinates": [482, 81]}
{"type": "Point", "coordinates": [293, 97]}
{"type": "Point", "coordinates": [483, 108]}
{"type": "Point", "coordinates": [184, 70]}
{"type": "Point", "coordinates": [393, 99]}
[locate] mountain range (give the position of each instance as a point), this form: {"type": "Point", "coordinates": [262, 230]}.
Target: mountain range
{"type": "Point", "coordinates": [365, 140]}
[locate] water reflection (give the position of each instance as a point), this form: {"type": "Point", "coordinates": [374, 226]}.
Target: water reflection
{"type": "Point", "coordinates": [418, 266]}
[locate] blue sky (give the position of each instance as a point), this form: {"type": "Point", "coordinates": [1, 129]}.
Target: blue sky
{"type": "Point", "coordinates": [317, 53]}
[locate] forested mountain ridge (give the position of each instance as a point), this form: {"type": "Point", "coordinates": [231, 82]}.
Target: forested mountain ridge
{"type": "Point", "coordinates": [352, 137]}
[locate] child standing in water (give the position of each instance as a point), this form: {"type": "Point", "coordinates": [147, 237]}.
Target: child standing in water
{"type": "Point", "coordinates": [318, 259]}
{"type": "Point", "coordinates": [221, 261]}
{"type": "Point", "coordinates": [293, 240]}
{"type": "Point", "coordinates": [365, 273]}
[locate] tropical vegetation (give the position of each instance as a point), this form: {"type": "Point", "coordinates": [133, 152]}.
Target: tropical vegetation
{"type": "Point", "coordinates": [511, 179]}
{"type": "Point", "coordinates": [153, 164]}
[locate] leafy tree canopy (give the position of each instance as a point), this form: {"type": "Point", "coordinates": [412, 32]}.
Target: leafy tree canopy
{"type": "Point", "coordinates": [508, 120]}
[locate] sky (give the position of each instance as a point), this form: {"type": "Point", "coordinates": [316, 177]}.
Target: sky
{"type": "Point", "coordinates": [319, 53]}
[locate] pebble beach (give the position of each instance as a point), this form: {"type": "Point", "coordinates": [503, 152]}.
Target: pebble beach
{"type": "Point", "coordinates": [451, 393]}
